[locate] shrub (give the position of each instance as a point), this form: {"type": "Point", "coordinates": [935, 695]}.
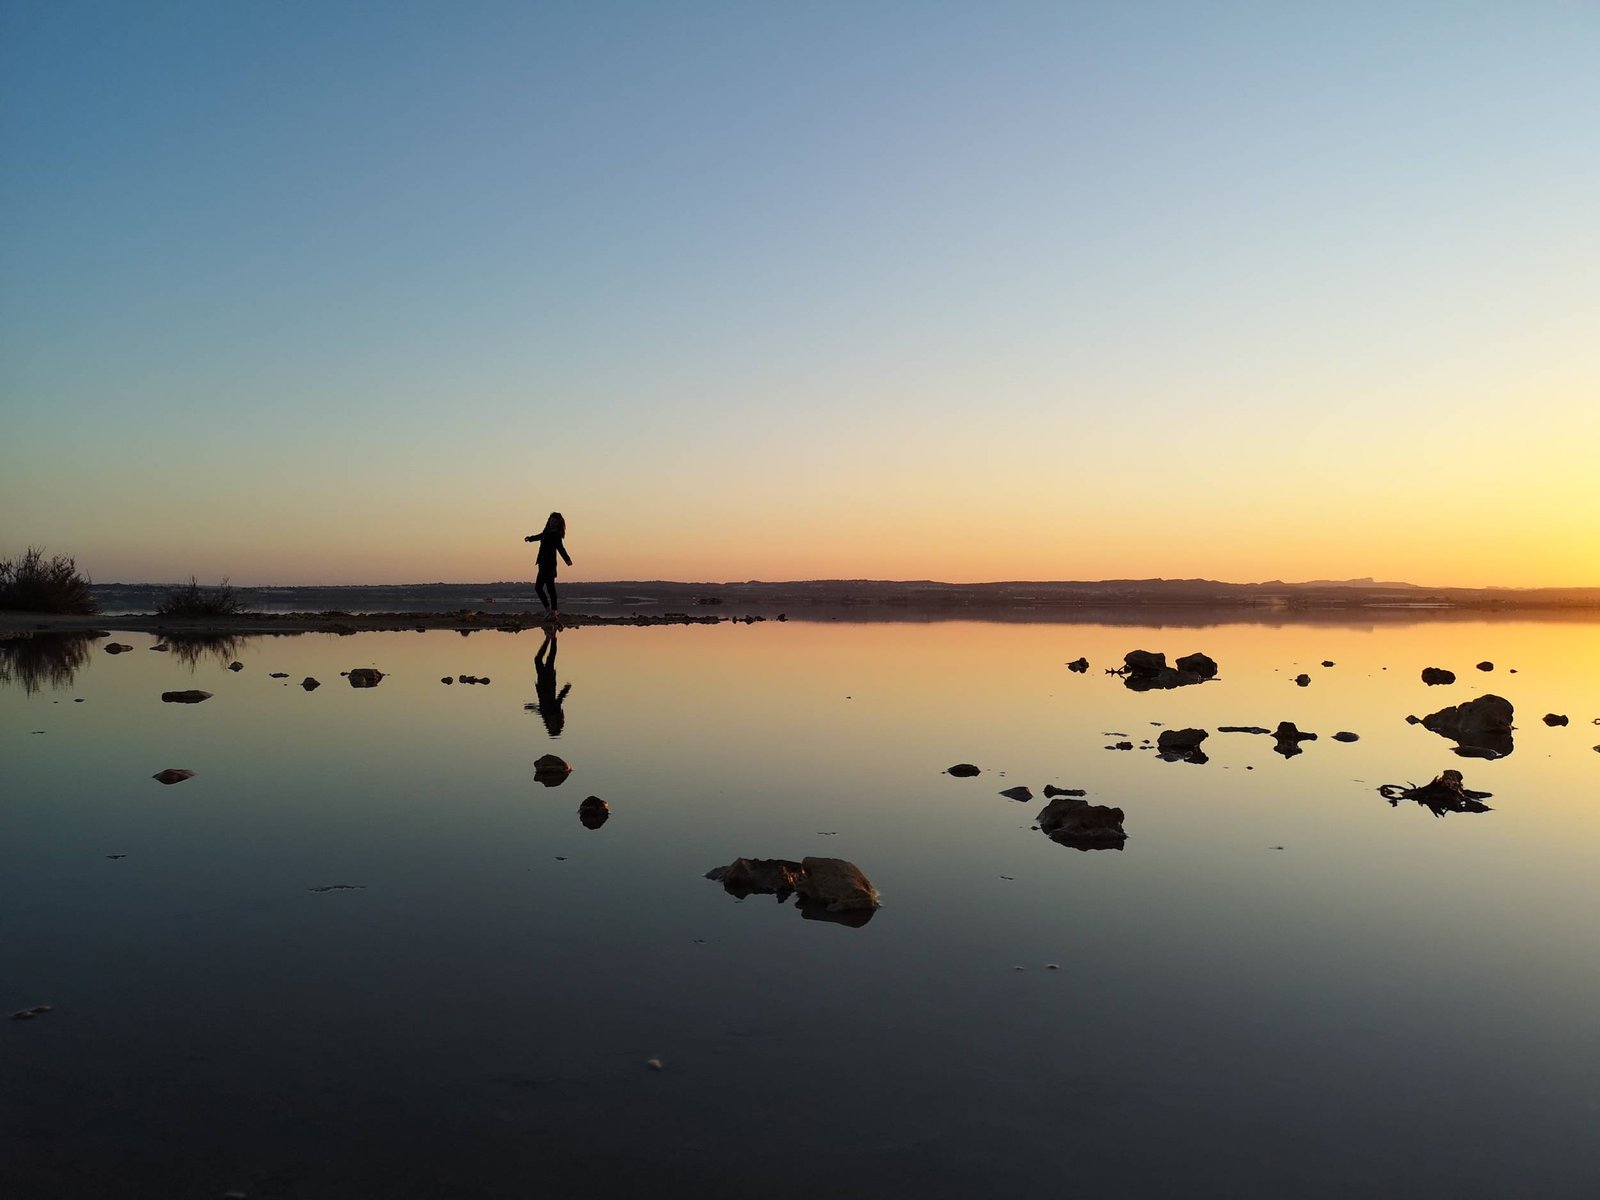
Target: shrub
{"type": "Point", "coordinates": [196, 601]}
{"type": "Point", "coordinates": [34, 583]}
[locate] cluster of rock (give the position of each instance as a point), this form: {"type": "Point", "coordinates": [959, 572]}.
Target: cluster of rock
{"type": "Point", "coordinates": [826, 889]}
{"type": "Point", "coordinates": [465, 679]}
{"type": "Point", "coordinates": [364, 677]}
{"type": "Point", "coordinates": [1145, 670]}
{"type": "Point", "coordinates": [1434, 676]}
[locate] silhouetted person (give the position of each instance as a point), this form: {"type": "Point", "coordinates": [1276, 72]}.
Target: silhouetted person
{"type": "Point", "coordinates": [551, 543]}
{"type": "Point", "coordinates": [544, 687]}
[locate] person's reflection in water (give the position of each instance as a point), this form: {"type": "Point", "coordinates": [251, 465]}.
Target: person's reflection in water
{"type": "Point", "coordinates": [544, 687]}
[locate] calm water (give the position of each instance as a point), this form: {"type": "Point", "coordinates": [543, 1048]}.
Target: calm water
{"type": "Point", "coordinates": [1392, 1004]}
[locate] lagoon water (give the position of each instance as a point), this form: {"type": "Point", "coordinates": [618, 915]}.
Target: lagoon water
{"type": "Point", "coordinates": [1283, 985]}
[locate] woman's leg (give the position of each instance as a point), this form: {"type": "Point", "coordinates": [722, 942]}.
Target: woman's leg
{"type": "Point", "coordinates": [554, 607]}
{"type": "Point", "coordinates": [542, 588]}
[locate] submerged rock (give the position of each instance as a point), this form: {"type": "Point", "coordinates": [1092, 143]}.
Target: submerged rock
{"type": "Point", "coordinates": [1434, 676]}
{"type": "Point", "coordinates": [365, 677]}
{"type": "Point", "coordinates": [550, 770]}
{"type": "Point", "coordinates": [310, 684]}
{"type": "Point", "coordinates": [1018, 793]}
{"type": "Point", "coordinates": [278, 675]}
{"type": "Point", "coordinates": [1302, 680]}
{"type": "Point", "coordinates": [1444, 795]}
{"type": "Point", "coordinates": [1242, 729]}
{"type": "Point", "coordinates": [1344, 735]}
{"type": "Point", "coordinates": [192, 696]}
{"type": "Point", "coordinates": [172, 775]}
{"type": "Point", "coordinates": [1050, 790]}
{"type": "Point", "coordinates": [236, 666]}
{"type": "Point", "coordinates": [594, 812]}
{"type": "Point", "coordinates": [1555, 719]}
{"type": "Point", "coordinates": [1079, 665]}
{"type": "Point", "coordinates": [1483, 723]}
{"type": "Point", "coordinates": [963, 770]}
{"type": "Point", "coordinates": [1075, 822]}
{"type": "Point", "coordinates": [1486, 665]}
{"type": "Point", "coordinates": [828, 889]}
{"type": "Point", "coordinates": [117, 648]}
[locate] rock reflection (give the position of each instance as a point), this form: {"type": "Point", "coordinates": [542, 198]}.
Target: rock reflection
{"type": "Point", "coordinates": [38, 660]}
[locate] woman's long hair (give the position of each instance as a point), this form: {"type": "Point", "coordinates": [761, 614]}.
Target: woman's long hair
{"type": "Point", "coordinates": [556, 526]}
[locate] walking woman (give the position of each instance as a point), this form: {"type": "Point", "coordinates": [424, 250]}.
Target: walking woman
{"type": "Point", "coordinates": [551, 543]}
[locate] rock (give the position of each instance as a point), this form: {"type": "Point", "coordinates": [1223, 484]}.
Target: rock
{"type": "Point", "coordinates": [550, 770]}
{"type": "Point", "coordinates": [172, 775]}
{"type": "Point", "coordinates": [1411, 719]}
{"type": "Point", "coordinates": [1144, 662]}
{"type": "Point", "coordinates": [827, 888]}
{"type": "Point", "coordinates": [1289, 738]}
{"type": "Point", "coordinates": [1018, 793]}
{"type": "Point", "coordinates": [1434, 676]}
{"type": "Point", "coordinates": [1486, 665]}
{"type": "Point", "coordinates": [654, 1064]}
{"type": "Point", "coordinates": [1202, 665]}
{"type": "Point", "coordinates": [1050, 791]}
{"type": "Point", "coordinates": [310, 684]}
{"type": "Point", "coordinates": [594, 812]}
{"type": "Point", "coordinates": [1483, 723]}
{"type": "Point", "coordinates": [1079, 665]}
{"type": "Point", "coordinates": [1075, 822]}
{"type": "Point", "coordinates": [118, 648]}
{"type": "Point", "coordinates": [1302, 680]}
{"type": "Point", "coordinates": [1241, 729]}
{"type": "Point", "coordinates": [236, 666]}
{"type": "Point", "coordinates": [963, 770]}
{"type": "Point", "coordinates": [1121, 746]}
{"type": "Point", "coordinates": [278, 675]}
{"type": "Point", "coordinates": [192, 696]}
{"type": "Point", "coordinates": [1327, 662]}
{"type": "Point", "coordinates": [1555, 719]}
{"type": "Point", "coordinates": [447, 679]}
{"type": "Point", "coordinates": [835, 885]}
{"type": "Point", "coordinates": [1444, 794]}
{"type": "Point", "coordinates": [162, 646]}
{"type": "Point", "coordinates": [1180, 741]}
{"type": "Point", "coordinates": [1344, 735]}
{"type": "Point", "coordinates": [365, 677]}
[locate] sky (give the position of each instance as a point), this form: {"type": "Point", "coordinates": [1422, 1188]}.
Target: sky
{"type": "Point", "coordinates": [345, 292]}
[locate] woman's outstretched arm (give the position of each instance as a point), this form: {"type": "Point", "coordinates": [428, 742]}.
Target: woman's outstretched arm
{"type": "Point", "coordinates": [562, 546]}
{"type": "Point", "coordinates": [534, 537]}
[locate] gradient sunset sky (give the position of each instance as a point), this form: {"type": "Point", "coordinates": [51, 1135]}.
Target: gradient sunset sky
{"type": "Point", "coordinates": [338, 292]}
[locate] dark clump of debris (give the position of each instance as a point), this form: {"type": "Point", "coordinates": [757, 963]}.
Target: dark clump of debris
{"type": "Point", "coordinates": [1446, 794]}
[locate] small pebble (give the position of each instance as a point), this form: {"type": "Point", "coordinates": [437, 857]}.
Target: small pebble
{"type": "Point", "coordinates": [1052, 966]}
{"type": "Point", "coordinates": [653, 1063]}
